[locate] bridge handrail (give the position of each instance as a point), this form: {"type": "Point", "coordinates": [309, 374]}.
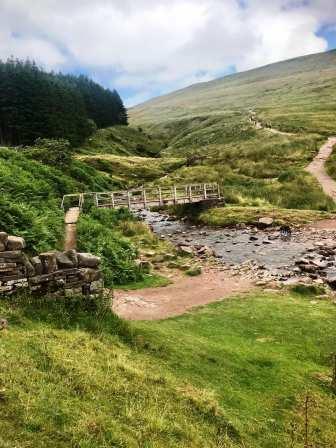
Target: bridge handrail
{"type": "Point", "coordinates": [205, 188]}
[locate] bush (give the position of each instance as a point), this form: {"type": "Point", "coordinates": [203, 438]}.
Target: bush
{"type": "Point", "coordinates": [98, 234]}
{"type": "Point", "coordinates": [54, 152]}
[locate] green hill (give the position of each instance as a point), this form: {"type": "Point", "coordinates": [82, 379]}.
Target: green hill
{"type": "Point", "coordinates": [297, 94]}
{"type": "Point", "coordinates": [210, 124]}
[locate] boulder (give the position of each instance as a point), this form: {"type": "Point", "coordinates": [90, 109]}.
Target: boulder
{"type": "Point", "coordinates": [72, 255]}
{"type": "Point", "coordinates": [63, 261]}
{"type": "Point", "coordinates": [265, 222]}
{"type": "Point", "coordinates": [185, 250]}
{"type": "Point", "coordinates": [3, 238]}
{"type": "Point", "coordinates": [331, 280]}
{"type": "Point", "coordinates": [30, 271]}
{"type": "Point", "coordinates": [88, 260]}
{"type": "Point", "coordinates": [2, 247]}
{"type": "Point", "coordinates": [144, 266]}
{"type": "Point", "coordinates": [37, 264]}
{"type": "Point", "coordinates": [15, 243]}
{"type": "Point", "coordinates": [90, 275]}
{"type": "Point", "coordinates": [49, 262]}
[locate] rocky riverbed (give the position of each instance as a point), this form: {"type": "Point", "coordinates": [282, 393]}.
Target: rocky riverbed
{"type": "Point", "coordinates": [260, 253]}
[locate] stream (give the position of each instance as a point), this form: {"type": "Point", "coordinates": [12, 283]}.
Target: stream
{"type": "Point", "coordinates": [234, 246]}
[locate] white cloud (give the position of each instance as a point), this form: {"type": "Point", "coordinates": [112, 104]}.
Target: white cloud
{"type": "Point", "coordinates": [157, 45]}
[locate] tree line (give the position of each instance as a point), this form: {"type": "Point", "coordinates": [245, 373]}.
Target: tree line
{"type": "Point", "coordinates": [36, 104]}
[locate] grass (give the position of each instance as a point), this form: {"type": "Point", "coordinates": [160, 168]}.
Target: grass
{"type": "Point", "coordinates": [231, 215]}
{"type": "Point", "coordinates": [132, 170]}
{"type": "Point", "coordinates": [148, 281]}
{"type": "Point", "coordinates": [233, 374]}
{"type": "Point", "coordinates": [259, 355]}
{"type": "Point", "coordinates": [124, 141]}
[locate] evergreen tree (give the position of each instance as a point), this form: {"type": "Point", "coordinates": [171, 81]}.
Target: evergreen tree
{"type": "Point", "coordinates": [35, 104]}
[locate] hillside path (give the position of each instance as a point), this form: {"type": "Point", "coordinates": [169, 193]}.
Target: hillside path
{"type": "Point", "coordinates": [179, 297]}
{"type": "Point", "coordinates": [70, 220]}
{"type": "Point", "coordinates": [318, 170]}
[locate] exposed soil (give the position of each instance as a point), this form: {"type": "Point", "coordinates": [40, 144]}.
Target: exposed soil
{"type": "Point", "coordinates": [317, 168]}
{"type": "Point", "coordinates": [181, 296]}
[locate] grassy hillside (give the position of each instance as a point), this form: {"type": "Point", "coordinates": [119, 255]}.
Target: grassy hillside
{"type": "Point", "coordinates": [231, 375]}
{"type": "Point", "coordinates": [297, 94]}
{"type": "Point", "coordinates": [210, 124]}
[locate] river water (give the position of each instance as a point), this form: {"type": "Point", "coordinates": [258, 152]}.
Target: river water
{"type": "Point", "coordinates": [234, 246]}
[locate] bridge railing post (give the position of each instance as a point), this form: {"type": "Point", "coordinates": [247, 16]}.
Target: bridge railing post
{"type": "Point", "coordinates": [96, 199]}
{"type": "Point", "coordinates": [190, 193]}
{"type": "Point", "coordinates": [174, 194]}
{"type": "Point", "coordinates": [112, 200]}
{"type": "Point", "coordinates": [129, 197]}
{"type": "Point", "coordinates": [204, 191]}
{"type": "Point", "coordinates": [160, 195]}
{"type": "Point", "coordinates": [144, 197]}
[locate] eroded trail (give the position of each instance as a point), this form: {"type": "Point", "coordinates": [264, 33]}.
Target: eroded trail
{"type": "Point", "coordinates": [179, 297]}
{"type": "Point", "coordinates": [318, 170]}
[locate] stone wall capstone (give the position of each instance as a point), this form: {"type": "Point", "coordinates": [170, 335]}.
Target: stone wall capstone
{"type": "Point", "coordinates": [70, 271]}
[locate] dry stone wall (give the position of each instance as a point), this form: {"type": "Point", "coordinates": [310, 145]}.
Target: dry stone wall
{"type": "Point", "coordinates": [71, 272]}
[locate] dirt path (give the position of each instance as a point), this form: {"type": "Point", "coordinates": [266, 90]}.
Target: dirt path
{"type": "Point", "coordinates": [70, 220]}
{"type": "Point", "coordinates": [176, 299]}
{"type": "Point", "coordinates": [317, 168]}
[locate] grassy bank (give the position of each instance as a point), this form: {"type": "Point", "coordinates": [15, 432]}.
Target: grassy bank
{"type": "Point", "coordinates": [233, 374]}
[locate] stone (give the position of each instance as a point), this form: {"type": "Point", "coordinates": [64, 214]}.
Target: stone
{"type": "Point", "coordinates": [15, 243]}
{"type": "Point", "coordinates": [253, 238]}
{"type": "Point", "coordinates": [2, 247]}
{"type": "Point", "coordinates": [30, 270]}
{"type": "Point", "coordinates": [3, 238]}
{"type": "Point", "coordinates": [3, 323]}
{"type": "Point", "coordinates": [72, 255]}
{"type": "Point", "coordinates": [49, 262]}
{"type": "Point", "coordinates": [37, 264]}
{"type": "Point", "coordinates": [90, 275]}
{"type": "Point", "coordinates": [144, 266]}
{"type": "Point", "coordinates": [86, 260]}
{"type": "Point", "coordinates": [331, 280]}
{"type": "Point", "coordinates": [265, 222]}
{"type": "Point", "coordinates": [63, 261]}
{"type": "Point", "coordinates": [185, 250]}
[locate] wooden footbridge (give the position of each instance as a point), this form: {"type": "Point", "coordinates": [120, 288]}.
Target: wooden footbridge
{"type": "Point", "coordinates": [144, 197]}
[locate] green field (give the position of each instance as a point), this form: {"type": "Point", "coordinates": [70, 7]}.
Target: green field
{"type": "Point", "coordinates": [233, 374]}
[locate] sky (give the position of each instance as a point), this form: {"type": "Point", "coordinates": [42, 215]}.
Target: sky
{"type": "Point", "coordinates": [146, 48]}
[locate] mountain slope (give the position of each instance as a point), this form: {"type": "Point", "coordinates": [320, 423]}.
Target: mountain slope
{"type": "Point", "coordinates": [253, 132]}
{"type": "Point", "coordinates": [303, 86]}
